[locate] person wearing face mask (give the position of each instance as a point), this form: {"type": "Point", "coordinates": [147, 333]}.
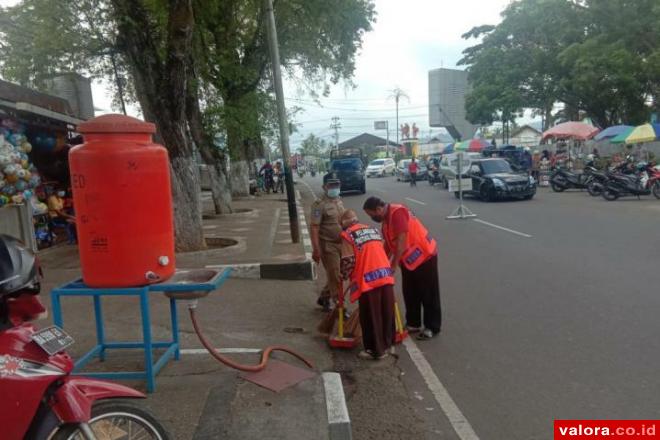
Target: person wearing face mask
{"type": "Point", "coordinates": [365, 263]}
{"type": "Point", "coordinates": [410, 246]}
{"type": "Point", "coordinates": [326, 241]}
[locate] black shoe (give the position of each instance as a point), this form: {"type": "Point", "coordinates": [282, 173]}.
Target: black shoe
{"type": "Point", "coordinates": [325, 303]}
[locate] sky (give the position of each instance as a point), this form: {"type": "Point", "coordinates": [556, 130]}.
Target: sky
{"type": "Point", "coordinates": [409, 38]}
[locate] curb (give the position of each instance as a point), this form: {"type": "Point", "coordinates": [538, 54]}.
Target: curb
{"type": "Point", "coordinates": [339, 422]}
{"type": "Point", "coordinates": [298, 271]}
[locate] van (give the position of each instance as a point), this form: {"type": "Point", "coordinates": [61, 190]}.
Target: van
{"type": "Point", "coordinates": [381, 167]}
{"type": "Point", "coordinates": [449, 165]}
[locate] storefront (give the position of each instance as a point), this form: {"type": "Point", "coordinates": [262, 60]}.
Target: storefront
{"type": "Point", "coordinates": [36, 132]}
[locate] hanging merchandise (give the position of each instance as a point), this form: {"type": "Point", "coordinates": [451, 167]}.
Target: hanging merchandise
{"type": "Point", "coordinates": [17, 176]}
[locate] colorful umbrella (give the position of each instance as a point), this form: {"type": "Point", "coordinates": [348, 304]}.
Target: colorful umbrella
{"type": "Point", "coordinates": [462, 146]}
{"type": "Point", "coordinates": [621, 137]}
{"type": "Point", "coordinates": [571, 130]}
{"type": "Point", "coordinates": [448, 149]}
{"type": "Point", "coordinates": [644, 133]}
{"type": "Point", "coordinates": [613, 131]}
{"type": "Point", "coordinates": [476, 145]}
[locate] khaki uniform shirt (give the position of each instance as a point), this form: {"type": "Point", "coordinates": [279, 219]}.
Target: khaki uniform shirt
{"type": "Point", "coordinates": [326, 213]}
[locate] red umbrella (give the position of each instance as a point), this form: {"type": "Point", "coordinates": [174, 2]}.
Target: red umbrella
{"type": "Point", "coordinates": [571, 130]}
{"type": "Point", "coordinates": [476, 145]}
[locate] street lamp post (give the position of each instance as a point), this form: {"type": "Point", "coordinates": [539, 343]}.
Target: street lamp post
{"type": "Point", "coordinates": [283, 122]}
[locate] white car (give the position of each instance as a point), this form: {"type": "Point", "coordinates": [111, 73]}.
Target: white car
{"type": "Point", "coordinates": [381, 168]}
{"type": "Point", "coordinates": [449, 166]}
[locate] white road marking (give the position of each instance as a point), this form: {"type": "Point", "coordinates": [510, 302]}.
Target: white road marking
{"type": "Point", "coordinates": [502, 228]}
{"type": "Point", "coordinates": [309, 187]}
{"type": "Point", "coordinates": [415, 201]}
{"type": "Point", "coordinates": [221, 350]}
{"type": "Point", "coordinates": [458, 421]}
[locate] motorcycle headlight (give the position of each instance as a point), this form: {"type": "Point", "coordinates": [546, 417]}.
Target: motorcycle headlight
{"type": "Point", "coordinates": [499, 183]}
{"type": "Point", "coordinates": [532, 181]}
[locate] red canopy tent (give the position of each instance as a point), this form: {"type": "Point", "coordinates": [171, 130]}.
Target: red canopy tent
{"type": "Point", "coordinates": [571, 130]}
{"type": "Point", "coordinates": [476, 145]}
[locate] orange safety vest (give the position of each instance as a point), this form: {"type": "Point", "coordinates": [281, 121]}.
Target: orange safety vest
{"type": "Point", "coordinates": [372, 267]}
{"type": "Point", "coordinates": [420, 246]}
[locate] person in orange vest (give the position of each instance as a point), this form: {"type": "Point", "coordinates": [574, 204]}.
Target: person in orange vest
{"type": "Point", "coordinates": [411, 247]}
{"type": "Point", "coordinates": [366, 264]}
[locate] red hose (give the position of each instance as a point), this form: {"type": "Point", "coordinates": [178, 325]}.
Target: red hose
{"type": "Point", "coordinates": [251, 368]}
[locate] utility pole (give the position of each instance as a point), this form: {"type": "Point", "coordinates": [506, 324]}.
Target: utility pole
{"type": "Point", "coordinates": [336, 125]}
{"type": "Point", "coordinates": [283, 122]}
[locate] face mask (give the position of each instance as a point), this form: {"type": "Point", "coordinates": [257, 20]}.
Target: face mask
{"type": "Point", "coordinates": [377, 218]}
{"type": "Point", "coordinates": [61, 194]}
{"type": "Point", "coordinates": [333, 193]}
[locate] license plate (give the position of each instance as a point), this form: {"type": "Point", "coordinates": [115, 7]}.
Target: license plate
{"type": "Point", "coordinates": [52, 339]}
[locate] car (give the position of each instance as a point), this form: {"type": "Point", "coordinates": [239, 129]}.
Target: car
{"type": "Point", "coordinates": [449, 165]}
{"type": "Point", "coordinates": [494, 179]}
{"type": "Point", "coordinates": [381, 167]}
{"type": "Point", "coordinates": [348, 166]}
{"type": "Point", "coordinates": [403, 175]}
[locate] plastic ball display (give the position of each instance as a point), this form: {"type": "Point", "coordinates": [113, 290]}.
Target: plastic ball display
{"type": "Point", "coordinates": [18, 177]}
{"type": "Point", "coordinates": [10, 190]}
{"type": "Point", "coordinates": [10, 170]}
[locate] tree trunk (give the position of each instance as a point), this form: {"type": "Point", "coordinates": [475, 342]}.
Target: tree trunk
{"type": "Point", "coordinates": [212, 157]}
{"type": "Point", "coordinates": [160, 70]}
{"type": "Point", "coordinates": [240, 178]}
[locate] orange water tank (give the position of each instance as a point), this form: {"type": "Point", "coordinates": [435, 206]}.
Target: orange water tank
{"type": "Point", "coordinates": [123, 203]}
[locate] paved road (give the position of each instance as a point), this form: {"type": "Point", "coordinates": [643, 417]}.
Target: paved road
{"type": "Point", "coordinates": [559, 322]}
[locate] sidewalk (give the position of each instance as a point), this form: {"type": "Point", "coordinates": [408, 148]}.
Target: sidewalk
{"type": "Point", "coordinates": [255, 241]}
{"type": "Point", "coordinates": [197, 397]}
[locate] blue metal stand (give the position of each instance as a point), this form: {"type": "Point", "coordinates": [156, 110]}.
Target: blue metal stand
{"type": "Point", "coordinates": [78, 288]}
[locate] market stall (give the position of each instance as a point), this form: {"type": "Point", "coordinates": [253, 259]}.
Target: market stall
{"type": "Point", "coordinates": [36, 131]}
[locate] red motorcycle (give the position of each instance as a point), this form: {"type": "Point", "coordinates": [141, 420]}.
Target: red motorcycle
{"type": "Point", "coordinates": [40, 398]}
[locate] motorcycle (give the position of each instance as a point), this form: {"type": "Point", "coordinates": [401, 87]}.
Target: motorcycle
{"type": "Point", "coordinates": [600, 178]}
{"type": "Point", "coordinates": [645, 182]}
{"type": "Point", "coordinates": [434, 176]}
{"type": "Point", "coordinates": [278, 183]}
{"type": "Point", "coordinates": [562, 179]}
{"type": "Point", "coordinates": [40, 397]}
{"type": "Point", "coordinates": [268, 181]}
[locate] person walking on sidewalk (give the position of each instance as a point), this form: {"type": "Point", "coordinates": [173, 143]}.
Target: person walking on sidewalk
{"type": "Point", "coordinates": [413, 168]}
{"type": "Point", "coordinates": [410, 246]}
{"type": "Point", "coordinates": [326, 241]}
{"type": "Point", "coordinates": [365, 263]}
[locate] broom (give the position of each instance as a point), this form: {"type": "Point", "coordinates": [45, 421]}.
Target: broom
{"type": "Point", "coordinates": [328, 322]}
{"type": "Point", "coordinates": [353, 327]}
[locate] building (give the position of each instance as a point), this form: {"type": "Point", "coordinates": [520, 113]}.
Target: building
{"type": "Point", "coordinates": [526, 136]}
{"type": "Point", "coordinates": [447, 90]}
{"type": "Point", "coordinates": [366, 140]}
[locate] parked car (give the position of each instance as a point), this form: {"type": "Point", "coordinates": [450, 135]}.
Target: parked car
{"type": "Point", "coordinates": [403, 175]}
{"type": "Point", "coordinates": [494, 179]}
{"type": "Point", "coordinates": [348, 165]}
{"type": "Point", "coordinates": [381, 168]}
{"type": "Point", "coordinates": [449, 166]}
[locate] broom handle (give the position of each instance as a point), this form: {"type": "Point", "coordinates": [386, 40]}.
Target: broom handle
{"type": "Point", "coordinates": [340, 306]}
{"type": "Point", "coordinates": [399, 324]}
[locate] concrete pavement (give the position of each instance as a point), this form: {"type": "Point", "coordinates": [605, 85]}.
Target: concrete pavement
{"type": "Point", "coordinates": [554, 318]}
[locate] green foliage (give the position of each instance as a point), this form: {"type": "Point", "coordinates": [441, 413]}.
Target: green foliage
{"type": "Point", "coordinates": [314, 146]}
{"type": "Point", "coordinates": [318, 42]}
{"type": "Point", "coordinates": [596, 56]}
